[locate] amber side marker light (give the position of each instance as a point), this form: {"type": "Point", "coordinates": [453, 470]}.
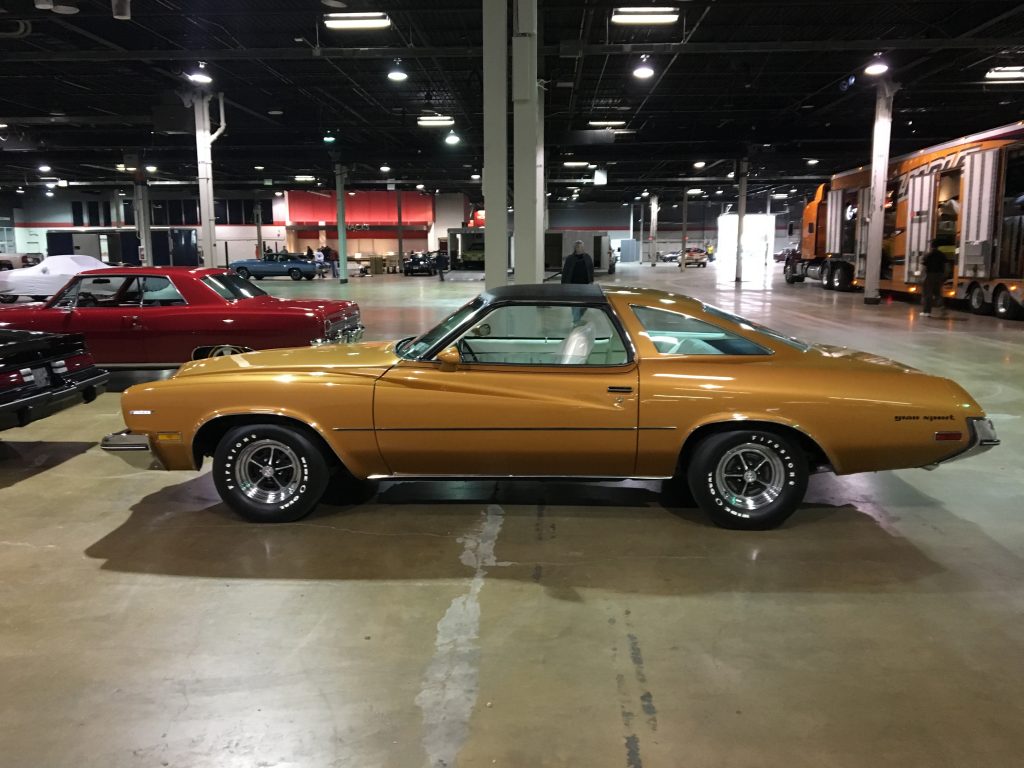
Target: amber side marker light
{"type": "Point", "coordinates": [168, 437]}
{"type": "Point", "coordinates": [943, 437]}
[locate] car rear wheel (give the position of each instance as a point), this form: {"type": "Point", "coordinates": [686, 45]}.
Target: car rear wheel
{"type": "Point", "coordinates": [309, 277]}
{"type": "Point", "coordinates": [1005, 306]}
{"type": "Point", "coordinates": [295, 274]}
{"type": "Point", "coordinates": [270, 473]}
{"type": "Point", "coordinates": [826, 276]}
{"type": "Point", "coordinates": [8, 299]}
{"type": "Point", "coordinates": [976, 300]}
{"type": "Point", "coordinates": [748, 479]}
{"type": "Point", "coordinates": [224, 350]}
{"type": "Point", "coordinates": [243, 273]}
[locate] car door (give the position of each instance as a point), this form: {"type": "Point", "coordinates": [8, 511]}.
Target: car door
{"type": "Point", "coordinates": [105, 308]}
{"type": "Point", "coordinates": [164, 322]}
{"type": "Point", "coordinates": [540, 390]}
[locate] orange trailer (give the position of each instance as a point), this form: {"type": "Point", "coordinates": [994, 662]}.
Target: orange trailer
{"type": "Point", "coordinates": [968, 194]}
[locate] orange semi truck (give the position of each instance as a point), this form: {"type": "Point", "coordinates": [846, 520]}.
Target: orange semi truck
{"type": "Point", "coordinates": [967, 194]}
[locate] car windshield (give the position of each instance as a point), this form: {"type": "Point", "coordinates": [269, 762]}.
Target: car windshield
{"type": "Point", "coordinates": [412, 349]}
{"type": "Point", "coordinates": [232, 287]}
{"type": "Point", "coordinates": [752, 326]}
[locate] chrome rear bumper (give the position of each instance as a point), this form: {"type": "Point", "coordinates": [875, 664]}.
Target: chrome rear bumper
{"type": "Point", "coordinates": [136, 450]}
{"type": "Point", "coordinates": [983, 438]}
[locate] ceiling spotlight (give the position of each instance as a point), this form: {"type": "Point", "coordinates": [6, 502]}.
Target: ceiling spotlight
{"type": "Point", "coordinates": [645, 15]}
{"type": "Point", "coordinates": [792, 191]}
{"type": "Point", "coordinates": [731, 175]}
{"type": "Point", "coordinates": [279, 193]}
{"type": "Point", "coordinates": [200, 75]}
{"type": "Point", "coordinates": [49, 193]}
{"type": "Point", "coordinates": [365, 20]}
{"type": "Point", "coordinates": [452, 138]}
{"type": "Point", "coordinates": [65, 7]}
{"type": "Point", "coordinates": [812, 161]}
{"type": "Point", "coordinates": [121, 9]}
{"type": "Point", "coordinates": [2, 126]}
{"type": "Point", "coordinates": [51, 184]}
{"type": "Point", "coordinates": [119, 166]}
{"type": "Point", "coordinates": [606, 123]}
{"type": "Point", "coordinates": [130, 169]}
{"type": "Point", "coordinates": [150, 169]}
{"type": "Point", "coordinates": [121, 193]}
{"type": "Point", "coordinates": [643, 70]}
{"type": "Point", "coordinates": [637, 197]}
{"type": "Point", "coordinates": [718, 192]}
{"type": "Point", "coordinates": [328, 139]}
{"type": "Point", "coordinates": [699, 164]}
{"type": "Point", "coordinates": [475, 176]}
{"type": "Point", "coordinates": [385, 168]}
{"type": "Point", "coordinates": [695, 191]}
{"type": "Point", "coordinates": [645, 193]}
{"type": "Point", "coordinates": [351, 194]}
{"type": "Point", "coordinates": [779, 195]}
{"type": "Point", "coordinates": [258, 167]}
{"type": "Point", "coordinates": [419, 186]}
{"type": "Point", "coordinates": [275, 112]}
{"type": "Point", "coordinates": [397, 73]}
{"type": "Point", "coordinates": [44, 169]}
{"type": "Point", "coordinates": [576, 163]}
{"type": "Point", "coordinates": [876, 67]}
{"type": "Point", "coordinates": [624, 204]}
{"type": "Point", "coordinates": [435, 121]}
{"type": "Point", "coordinates": [20, 191]}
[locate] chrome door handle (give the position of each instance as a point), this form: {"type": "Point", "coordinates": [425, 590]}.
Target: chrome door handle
{"type": "Point", "coordinates": [620, 389]}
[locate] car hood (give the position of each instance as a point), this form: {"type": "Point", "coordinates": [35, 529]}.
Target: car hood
{"type": "Point", "coordinates": [855, 359]}
{"type": "Point", "coordinates": [373, 357]}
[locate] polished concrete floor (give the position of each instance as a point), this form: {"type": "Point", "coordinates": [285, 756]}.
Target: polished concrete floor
{"type": "Point", "coordinates": [504, 624]}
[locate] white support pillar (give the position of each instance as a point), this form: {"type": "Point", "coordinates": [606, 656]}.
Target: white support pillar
{"type": "Point", "coordinates": [528, 148]}
{"type": "Point", "coordinates": [204, 160]}
{"type": "Point", "coordinates": [340, 177]}
{"type": "Point", "coordinates": [143, 221]}
{"type": "Point", "coordinates": [741, 212]}
{"type": "Point", "coordinates": [685, 228]}
{"type": "Point", "coordinates": [641, 255]}
{"type": "Point", "coordinates": [495, 170]}
{"type": "Point", "coordinates": [632, 214]}
{"type": "Point", "coordinates": [655, 208]}
{"type": "Point", "coordinates": [879, 172]}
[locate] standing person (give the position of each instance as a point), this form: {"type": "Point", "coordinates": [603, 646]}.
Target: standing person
{"type": "Point", "coordinates": [309, 253]}
{"type": "Point", "coordinates": [578, 266]}
{"type": "Point", "coordinates": [318, 258]}
{"type": "Point", "coordinates": [441, 260]}
{"type": "Point", "coordinates": [934, 276]}
{"type": "Point", "coordinates": [332, 259]}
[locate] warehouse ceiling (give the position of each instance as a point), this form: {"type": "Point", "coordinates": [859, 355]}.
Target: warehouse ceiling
{"type": "Point", "coordinates": [82, 92]}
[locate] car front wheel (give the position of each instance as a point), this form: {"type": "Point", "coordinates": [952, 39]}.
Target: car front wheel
{"type": "Point", "coordinates": [269, 473]}
{"type": "Point", "coordinates": [295, 274]}
{"type": "Point", "coordinates": [748, 479]}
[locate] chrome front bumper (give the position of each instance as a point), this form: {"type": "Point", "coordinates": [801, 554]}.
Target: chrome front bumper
{"type": "Point", "coordinates": [136, 450]}
{"type": "Point", "coordinates": [983, 438]}
{"type": "Point", "coordinates": [344, 336]}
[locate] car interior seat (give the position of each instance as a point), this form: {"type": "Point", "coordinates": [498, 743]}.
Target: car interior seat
{"type": "Point", "coordinates": [577, 345]}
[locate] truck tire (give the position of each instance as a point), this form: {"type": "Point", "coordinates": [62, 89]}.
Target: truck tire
{"type": "Point", "coordinates": [842, 276]}
{"type": "Point", "coordinates": [976, 301]}
{"type": "Point", "coordinates": [790, 274]}
{"type": "Point", "coordinates": [826, 276]}
{"type": "Point", "coordinates": [1005, 305]}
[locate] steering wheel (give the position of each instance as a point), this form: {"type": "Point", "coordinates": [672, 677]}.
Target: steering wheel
{"type": "Point", "coordinates": [467, 351]}
{"type": "Point", "coordinates": [87, 300]}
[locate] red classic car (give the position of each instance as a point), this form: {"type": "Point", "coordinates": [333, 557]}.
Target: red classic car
{"type": "Point", "coordinates": [159, 317]}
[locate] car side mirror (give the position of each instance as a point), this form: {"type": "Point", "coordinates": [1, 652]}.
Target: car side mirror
{"type": "Point", "coordinates": [65, 305]}
{"type": "Point", "coordinates": [449, 358]}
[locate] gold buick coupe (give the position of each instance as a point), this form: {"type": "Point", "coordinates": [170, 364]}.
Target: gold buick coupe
{"type": "Point", "coordinates": [543, 381]}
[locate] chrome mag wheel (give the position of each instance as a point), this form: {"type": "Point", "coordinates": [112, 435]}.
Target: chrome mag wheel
{"type": "Point", "coordinates": [268, 472]}
{"type": "Point", "coordinates": [750, 476]}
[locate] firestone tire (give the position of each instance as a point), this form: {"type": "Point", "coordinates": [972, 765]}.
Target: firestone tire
{"type": "Point", "coordinates": [243, 273]}
{"type": "Point", "coordinates": [270, 473]}
{"type": "Point", "coordinates": [295, 274]}
{"type": "Point", "coordinates": [748, 480]}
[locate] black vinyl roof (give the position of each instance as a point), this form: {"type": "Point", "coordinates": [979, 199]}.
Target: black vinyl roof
{"type": "Point", "coordinates": [569, 293]}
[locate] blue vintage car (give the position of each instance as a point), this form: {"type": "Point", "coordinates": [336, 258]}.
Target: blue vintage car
{"type": "Point", "coordinates": [275, 265]}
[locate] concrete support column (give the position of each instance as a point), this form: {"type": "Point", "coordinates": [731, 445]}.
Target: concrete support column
{"type": "Point", "coordinates": [143, 221]}
{"type": "Point", "coordinates": [340, 177]}
{"type": "Point", "coordinates": [204, 161]}
{"type": "Point", "coordinates": [741, 212]}
{"type": "Point", "coordinates": [879, 172]}
{"type": "Point", "coordinates": [655, 208]}
{"type": "Point", "coordinates": [528, 147]}
{"type": "Point", "coordinates": [401, 236]}
{"type": "Point", "coordinates": [686, 223]}
{"type": "Point", "coordinates": [258, 216]}
{"type": "Point", "coordinates": [632, 213]}
{"type": "Point", "coordinates": [641, 238]}
{"type": "Point", "coordinates": [495, 170]}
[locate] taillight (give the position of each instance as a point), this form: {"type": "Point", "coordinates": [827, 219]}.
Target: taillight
{"type": "Point", "coordinates": [73, 363]}
{"type": "Point", "coordinates": [11, 380]}
{"type": "Point", "coordinates": [952, 437]}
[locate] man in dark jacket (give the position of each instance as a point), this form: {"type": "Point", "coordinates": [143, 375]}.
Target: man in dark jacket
{"type": "Point", "coordinates": [934, 277]}
{"type": "Point", "coordinates": [578, 266]}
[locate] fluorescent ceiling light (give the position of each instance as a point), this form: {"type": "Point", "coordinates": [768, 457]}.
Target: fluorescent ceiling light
{"type": "Point", "coordinates": [576, 163]}
{"type": "Point", "coordinates": [151, 168]}
{"type": "Point", "coordinates": [120, 166]}
{"type": "Point", "coordinates": [3, 125]}
{"type": "Point", "coordinates": [645, 15]}
{"type": "Point", "coordinates": [275, 112]}
{"type": "Point", "coordinates": [779, 195]}
{"type": "Point", "coordinates": [606, 123]}
{"type": "Point", "coordinates": [257, 167]}
{"type": "Point", "coordinates": [1005, 73]}
{"type": "Point", "coordinates": [305, 177]}
{"type": "Point", "coordinates": [695, 191]}
{"type": "Point", "coordinates": [435, 121]}
{"type": "Point", "coordinates": [365, 20]}
{"type": "Point", "coordinates": [385, 168]}
{"type": "Point", "coordinates": [328, 139]}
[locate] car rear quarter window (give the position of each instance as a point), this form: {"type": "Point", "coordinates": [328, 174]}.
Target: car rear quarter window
{"type": "Point", "coordinates": [673, 333]}
{"type": "Point", "coordinates": [232, 287]}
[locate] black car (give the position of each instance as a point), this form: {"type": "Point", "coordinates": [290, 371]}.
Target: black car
{"type": "Point", "coordinates": [42, 373]}
{"type": "Point", "coordinates": [419, 264]}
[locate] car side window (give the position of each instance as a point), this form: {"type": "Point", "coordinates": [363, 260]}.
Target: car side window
{"type": "Point", "coordinates": [101, 291]}
{"type": "Point", "coordinates": [160, 292]}
{"type": "Point", "coordinates": [674, 333]}
{"type": "Point", "coordinates": [533, 334]}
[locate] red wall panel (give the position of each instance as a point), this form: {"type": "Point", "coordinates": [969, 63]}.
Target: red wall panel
{"type": "Point", "coordinates": [372, 208]}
